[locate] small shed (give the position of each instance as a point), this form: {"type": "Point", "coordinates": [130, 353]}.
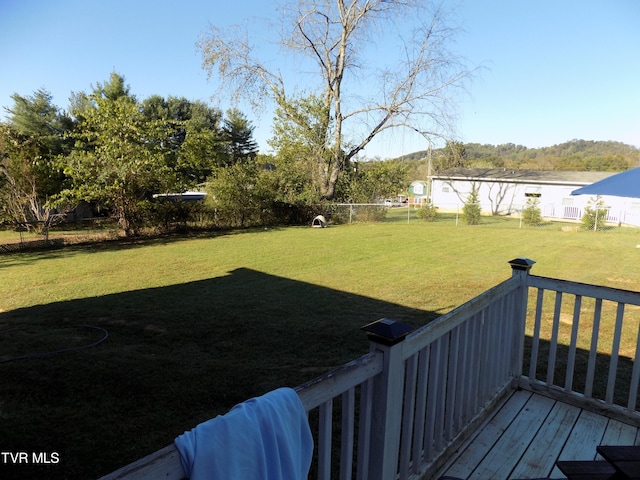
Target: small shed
{"type": "Point", "coordinates": [319, 222]}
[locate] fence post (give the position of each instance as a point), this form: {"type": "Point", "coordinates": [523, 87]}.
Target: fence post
{"type": "Point", "coordinates": [520, 268]}
{"type": "Point", "coordinates": [386, 336]}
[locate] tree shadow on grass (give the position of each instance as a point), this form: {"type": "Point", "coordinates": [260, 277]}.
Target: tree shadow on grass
{"type": "Point", "coordinates": [175, 356]}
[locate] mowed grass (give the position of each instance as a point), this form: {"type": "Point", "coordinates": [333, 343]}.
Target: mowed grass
{"type": "Point", "coordinates": [197, 324]}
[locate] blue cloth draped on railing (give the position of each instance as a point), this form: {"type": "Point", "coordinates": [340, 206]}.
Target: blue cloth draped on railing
{"type": "Point", "coordinates": [265, 438]}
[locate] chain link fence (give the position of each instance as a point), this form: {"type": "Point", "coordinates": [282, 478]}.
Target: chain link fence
{"type": "Point", "coordinates": [568, 218]}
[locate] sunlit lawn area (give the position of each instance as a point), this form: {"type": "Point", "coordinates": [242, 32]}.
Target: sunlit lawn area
{"type": "Point", "coordinates": [197, 324]}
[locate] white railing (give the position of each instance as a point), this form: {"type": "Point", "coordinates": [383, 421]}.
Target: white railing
{"type": "Point", "coordinates": [583, 339]}
{"type": "Point", "coordinates": [400, 410]}
{"type": "Point", "coordinates": [401, 405]}
{"type": "Point", "coordinates": [455, 368]}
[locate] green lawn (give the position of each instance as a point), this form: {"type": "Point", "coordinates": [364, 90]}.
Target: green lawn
{"type": "Point", "coordinates": [198, 324]}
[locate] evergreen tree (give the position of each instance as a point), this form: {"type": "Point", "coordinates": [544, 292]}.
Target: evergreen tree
{"type": "Point", "coordinates": [471, 211]}
{"type": "Point", "coordinates": [29, 143]}
{"type": "Point", "coordinates": [238, 137]}
{"type": "Point", "coordinates": [531, 215]}
{"type": "Point", "coordinates": [193, 142]}
{"type": "Point", "coordinates": [595, 214]}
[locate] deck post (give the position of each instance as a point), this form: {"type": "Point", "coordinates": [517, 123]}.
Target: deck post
{"type": "Point", "coordinates": [520, 268]}
{"type": "Point", "coordinates": [386, 336]}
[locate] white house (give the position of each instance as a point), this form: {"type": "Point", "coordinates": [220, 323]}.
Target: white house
{"type": "Point", "coordinates": [505, 192]}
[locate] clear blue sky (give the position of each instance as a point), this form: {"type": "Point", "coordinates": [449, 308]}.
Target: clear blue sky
{"type": "Point", "coordinates": [556, 69]}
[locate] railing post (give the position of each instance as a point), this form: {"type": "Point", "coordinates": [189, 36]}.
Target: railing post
{"type": "Point", "coordinates": [386, 336]}
{"type": "Point", "coordinates": [520, 268]}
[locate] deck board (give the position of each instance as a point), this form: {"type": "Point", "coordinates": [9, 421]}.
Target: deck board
{"type": "Point", "coordinates": [618, 433]}
{"type": "Point", "coordinates": [586, 435]}
{"type": "Point", "coordinates": [507, 451]}
{"type": "Point", "coordinates": [540, 458]}
{"type": "Point", "coordinates": [488, 436]}
{"type": "Point", "coordinates": [529, 433]}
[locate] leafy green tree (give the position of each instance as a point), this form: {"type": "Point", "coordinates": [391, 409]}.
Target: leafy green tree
{"type": "Point", "coordinates": [29, 143]}
{"type": "Point", "coordinates": [297, 148]}
{"type": "Point", "coordinates": [20, 175]}
{"type": "Point", "coordinates": [453, 155]}
{"type": "Point", "coordinates": [372, 181]}
{"type": "Point", "coordinates": [194, 143]}
{"type": "Point", "coordinates": [333, 37]}
{"type": "Point", "coordinates": [118, 159]}
{"type": "Point", "coordinates": [471, 212]}
{"type": "Point", "coordinates": [239, 195]}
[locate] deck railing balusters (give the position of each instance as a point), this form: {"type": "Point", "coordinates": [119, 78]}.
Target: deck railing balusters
{"type": "Point", "coordinates": [324, 440]}
{"type": "Point", "coordinates": [635, 377]}
{"type": "Point", "coordinates": [602, 391]}
{"type": "Point", "coordinates": [364, 430]}
{"type": "Point", "coordinates": [568, 383]}
{"type": "Point", "coordinates": [408, 415]}
{"type": "Point", "coordinates": [476, 349]}
{"type": "Point", "coordinates": [535, 340]}
{"type": "Point", "coordinates": [418, 446]}
{"type": "Point", "coordinates": [421, 395]}
{"type": "Point", "coordinates": [593, 351]}
{"type": "Point", "coordinates": [485, 356]}
{"type": "Point", "coordinates": [440, 392]}
{"type": "Point", "coordinates": [451, 381]}
{"type": "Point", "coordinates": [348, 434]}
{"type": "Point", "coordinates": [615, 349]}
{"type": "Point", "coordinates": [553, 347]}
{"type": "Point", "coordinates": [492, 346]}
{"type": "Point", "coordinates": [464, 379]}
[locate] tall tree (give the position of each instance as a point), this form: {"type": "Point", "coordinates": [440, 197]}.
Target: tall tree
{"type": "Point", "coordinates": [118, 159]}
{"type": "Point", "coordinates": [299, 135]}
{"type": "Point", "coordinates": [29, 143]}
{"type": "Point", "coordinates": [453, 155]}
{"type": "Point", "coordinates": [238, 136]}
{"type": "Point", "coordinates": [23, 172]}
{"type": "Point", "coordinates": [194, 140]}
{"type": "Point", "coordinates": [412, 91]}
{"type": "Point", "coordinates": [37, 116]}
{"type": "Point", "coordinates": [372, 181]}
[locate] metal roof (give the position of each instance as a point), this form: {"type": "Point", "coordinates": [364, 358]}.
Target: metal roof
{"type": "Point", "coordinates": [523, 176]}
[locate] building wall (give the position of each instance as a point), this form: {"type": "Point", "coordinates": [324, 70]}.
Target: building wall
{"type": "Point", "coordinates": [509, 198]}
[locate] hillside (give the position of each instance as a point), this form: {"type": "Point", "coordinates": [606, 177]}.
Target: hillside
{"type": "Point", "coordinates": [578, 155]}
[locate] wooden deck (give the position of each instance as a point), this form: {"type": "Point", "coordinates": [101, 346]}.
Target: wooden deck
{"type": "Point", "coordinates": [527, 435]}
{"type": "Point", "coordinates": [441, 383]}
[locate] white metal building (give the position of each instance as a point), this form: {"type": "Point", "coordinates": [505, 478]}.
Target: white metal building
{"type": "Point", "coordinates": [505, 192]}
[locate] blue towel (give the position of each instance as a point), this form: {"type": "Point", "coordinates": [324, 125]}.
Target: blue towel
{"type": "Point", "coordinates": [265, 438]}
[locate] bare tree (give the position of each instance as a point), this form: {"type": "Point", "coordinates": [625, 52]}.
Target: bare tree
{"type": "Point", "coordinates": [361, 95]}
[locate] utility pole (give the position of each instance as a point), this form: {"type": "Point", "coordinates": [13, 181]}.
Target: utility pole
{"type": "Point", "coordinates": [429, 197]}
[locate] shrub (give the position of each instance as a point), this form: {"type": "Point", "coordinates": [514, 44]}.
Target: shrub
{"type": "Point", "coordinates": [531, 215]}
{"type": "Point", "coordinates": [595, 214]}
{"type": "Point", "coordinates": [428, 212]}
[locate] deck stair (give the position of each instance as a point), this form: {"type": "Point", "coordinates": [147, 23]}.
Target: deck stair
{"type": "Point", "coordinates": [619, 463]}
